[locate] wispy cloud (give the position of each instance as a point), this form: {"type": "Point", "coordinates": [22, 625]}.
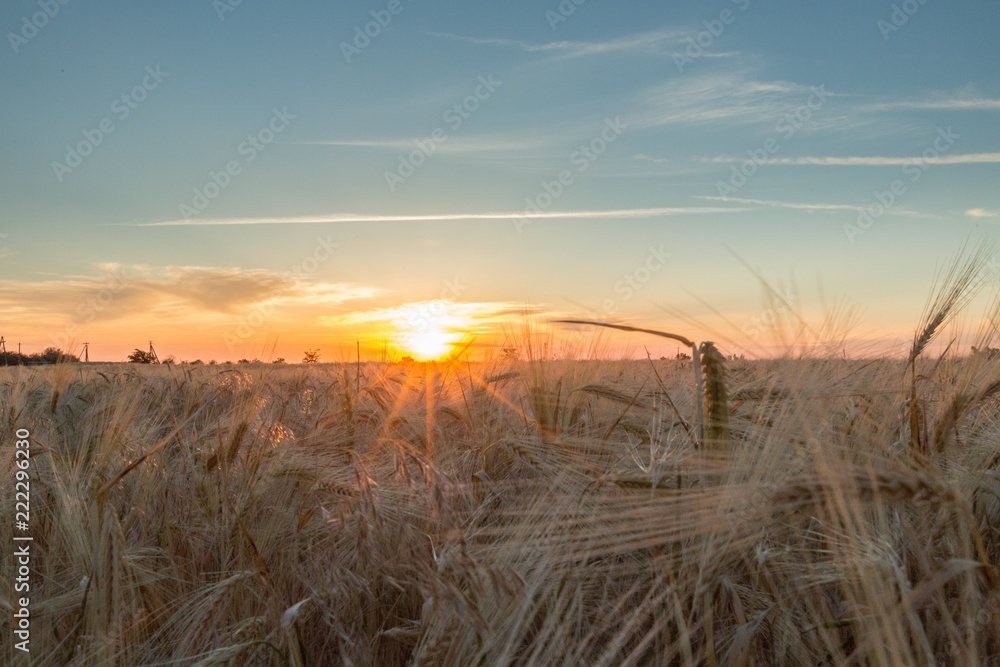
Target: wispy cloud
{"type": "Point", "coordinates": [453, 145]}
{"type": "Point", "coordinates": [869, 161]}
{"type": "Point", "coordinates": [942, 104]}
{"type": "Point", "coordinates": [982, 213]}
{"type": "Point", "coordinates": [642, 157]}
{"type": "Point", "coordinates": [616, 214]}
{"type": "Point", "coordinates": [464, 315]}
{"type": "Point", "coordinates": [820, 208]}
{"type": "Point", "coordinates": [448, 323]}
{"type": "Point", "coordinates": [728, 98]}
{"type": "Point", "coordinates": [733, 99]}
{"type": "Point", "coordinates": [187, 291]}
{"type": "Point", "coordinates": [783, 204]}
{"type": "Point", "coordinates": [659, 42]}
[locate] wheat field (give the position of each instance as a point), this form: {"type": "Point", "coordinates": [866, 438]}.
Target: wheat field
{"type": "Point", "coordinates": [515, 512]}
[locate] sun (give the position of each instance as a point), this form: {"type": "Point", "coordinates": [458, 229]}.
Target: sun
{"type": "Point", "coordinates": [429, 330]}
{"type": "Point", "coordinates": [427, 345]}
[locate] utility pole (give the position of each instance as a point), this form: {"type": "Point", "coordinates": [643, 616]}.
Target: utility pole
{"type": "Point", "coordinates": [153, 359]}
{"type": "Point", "coordinates": [86, 353]}
{"type": "Point", "coordinates": [3, 350]}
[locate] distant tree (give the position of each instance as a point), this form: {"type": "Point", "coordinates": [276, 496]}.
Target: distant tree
{"type": "Point", "coordinates": [141, 357]}
{"type": "Point", "coordinates": [406, 360]}
{"type": "Point", "coordinates": [196, 362]}
{"type": "Point", "coordinates": [213, 362]}
{"type": "Point", "coordinates": [243, 361]}
{"type": "Point", "coordinates": [52, 355]}
{"type": "Point", "coordinates": [170, 360]}
{"type": "Point", "coordinates": [279, 360]}
{"type": "Point", "coordinates": [312, 357]}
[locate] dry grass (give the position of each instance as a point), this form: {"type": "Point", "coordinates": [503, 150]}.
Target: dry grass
{"type": "Point", "coordinates": [530, 512]}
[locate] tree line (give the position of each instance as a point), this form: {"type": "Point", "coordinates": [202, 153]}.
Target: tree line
{"type": "Point", "coordinates": [51, 355]}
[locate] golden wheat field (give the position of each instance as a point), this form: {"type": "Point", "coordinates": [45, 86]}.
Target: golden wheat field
{"type": "Point", "coordinates": [529, 512]}
{"type": "Point", "coordinates": [511, 333]}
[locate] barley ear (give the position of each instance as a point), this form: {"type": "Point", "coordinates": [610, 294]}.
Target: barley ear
{"type": "Point", "coordinates": [713, 367]}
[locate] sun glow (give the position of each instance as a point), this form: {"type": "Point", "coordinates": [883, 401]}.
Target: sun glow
{"type": "Point", "coordinates": [430, 344]}
{"type": "Point", "coordinates": [430, 330]}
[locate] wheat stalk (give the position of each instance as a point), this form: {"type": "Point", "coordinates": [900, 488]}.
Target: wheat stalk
{"type": "Point", "coordinates": [713, 365]}
{"type": "Point", "coordinates": [695, 361]}
{"type": "Point", "coordinates": [911, 486]}
{"type": "Point", "coordinates": [959, 284]}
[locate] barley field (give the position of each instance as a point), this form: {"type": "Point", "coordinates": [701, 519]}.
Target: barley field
{"type": "Point", "coordinates": [510, 333]}
{"type": "Point", "coordinates": [541, 513]}
{"type": "Point", "coordinates": [524, 511]}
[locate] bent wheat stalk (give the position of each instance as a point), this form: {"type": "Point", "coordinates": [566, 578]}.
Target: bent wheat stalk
{"type": "Point", "coordinates": [696, 363]}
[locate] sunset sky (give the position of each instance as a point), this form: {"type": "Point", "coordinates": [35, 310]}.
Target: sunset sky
{"type": "Point", "coordinates": [257, 179]}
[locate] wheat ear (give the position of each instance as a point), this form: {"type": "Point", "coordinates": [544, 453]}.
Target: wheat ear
{"type": "Point", "coordinates": [713, 366]}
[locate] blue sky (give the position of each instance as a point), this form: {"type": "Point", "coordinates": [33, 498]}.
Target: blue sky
{"type": "Point", "coordinates": [321, 234]}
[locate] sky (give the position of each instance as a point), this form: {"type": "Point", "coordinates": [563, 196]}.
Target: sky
{"type": "Point", "coordinates": [238, 179]}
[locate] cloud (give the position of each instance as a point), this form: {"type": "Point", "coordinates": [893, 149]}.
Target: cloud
{"type": "Point", "coordinates": [869, 161]}
{"type": "Point", "coordinates": [617, 214]}
{"type": "Point", "coordinates": [818, 208]}
{"type": "Point", "coordinates": [464, 311]}
{"type": "Point", "coordinates": [642, 157]}
{"type": "Point", "coordinates": [781, 204]}
{"type": "Point", "coordinates": [942, 104]}
{"type": "Point", "coordinates": [729, 97]}
{"type": "Point", "coordinates": [982, 213]}
{"type": "Point", "coordinates": [168, 292]}
{"type": "Point", "coordinates": [454, 145]}
{"type": "Point", "coordinates": [451, 321]}
{"type": "Point", "coordinates": [219, 290]}
{"type": "Point", "coordinates": [658, 42]}
{"type": "Point", "coordinates": [733, 99]}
